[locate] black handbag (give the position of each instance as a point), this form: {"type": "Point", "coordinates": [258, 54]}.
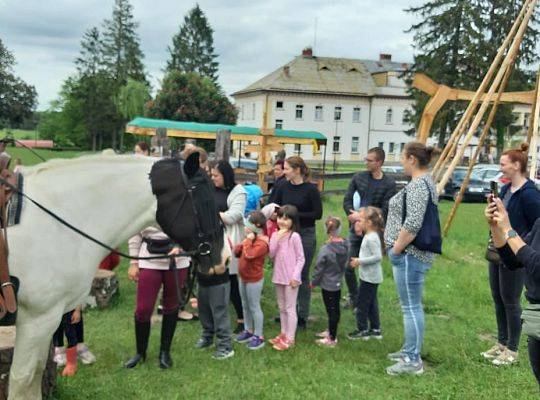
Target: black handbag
{"type": "Point", "coordinates": [492, 255]}
{"type": "Point", "coordinates": [429, 236]}
{"type": "Point", "coordinates": [158, 246]}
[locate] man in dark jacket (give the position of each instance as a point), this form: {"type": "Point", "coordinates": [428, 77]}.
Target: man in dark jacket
{"type": "Point", "coordinates": [367, 188]}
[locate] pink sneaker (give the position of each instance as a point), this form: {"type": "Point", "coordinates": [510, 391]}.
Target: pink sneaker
{"type": "Point", "coordinates": [277, 339]}
{"type": "Point", "coordinates": [327, 342]}
{"type": "Point", "coordinates": [323, 334]}
{"type": "Point", "coordinates": [284, 344]}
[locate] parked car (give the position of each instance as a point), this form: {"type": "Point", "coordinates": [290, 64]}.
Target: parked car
{"type": "Point", "coordinates": [392, 169]}
{"type": "Point", "coordinates": [454, 183]}
{"type": "Point", "coordinates": [245, 163]}
{"type": "Point", "coordinates": [490, 172]}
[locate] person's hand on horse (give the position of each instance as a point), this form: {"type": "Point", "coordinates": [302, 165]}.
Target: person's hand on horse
{"type": "Point", "coordinates": [133, 272]}
{"type": "Point", "coordinates": [500, 216]}
{"type": "Point", "coordinates": [76, 316]}
{"type": "Point", "coordinates": [355, 263]}
{"type": "Point", "coordinates": [294, 283]}
{"type": "Point", "coordinates": [489, 211]}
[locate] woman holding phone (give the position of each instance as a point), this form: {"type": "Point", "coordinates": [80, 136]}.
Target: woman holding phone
{"type": "Point", "coordinates": [522, 200]}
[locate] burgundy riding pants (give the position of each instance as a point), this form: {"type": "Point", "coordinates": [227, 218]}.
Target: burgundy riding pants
{"type": "Point", "coordinates": [150, 281]}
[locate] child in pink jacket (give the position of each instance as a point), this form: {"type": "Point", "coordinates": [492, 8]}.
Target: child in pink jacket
{"type": "Point", "coordinates": [288, 255]}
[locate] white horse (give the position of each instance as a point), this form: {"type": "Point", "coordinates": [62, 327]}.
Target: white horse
{"type": "Point", "coordinates": [108, 197]}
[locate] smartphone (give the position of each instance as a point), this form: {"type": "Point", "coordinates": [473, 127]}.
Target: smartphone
{"type": "Point", "coordinates": [494, 190]}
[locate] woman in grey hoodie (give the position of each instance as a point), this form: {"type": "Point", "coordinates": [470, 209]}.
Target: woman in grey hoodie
{"type": "Point", "coordinates": [329, 270]}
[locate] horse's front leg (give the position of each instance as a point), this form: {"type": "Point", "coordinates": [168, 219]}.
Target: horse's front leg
{"type": "Point", "coordinates": [32, 344]}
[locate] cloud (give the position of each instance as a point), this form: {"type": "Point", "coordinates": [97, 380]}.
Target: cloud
{"type": "Point", "coordinates": [251, 38]}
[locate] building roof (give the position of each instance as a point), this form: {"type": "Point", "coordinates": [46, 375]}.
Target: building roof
{"type": "Point", "coordinates": [148, 127]}
{"type": "Point", "coordinates": [311, 74]}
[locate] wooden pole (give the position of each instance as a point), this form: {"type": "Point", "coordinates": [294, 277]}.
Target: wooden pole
{"type": "Point", "coordinates": [533, 109]}
{"type": "Point", "coordinates": [223, 144]}
{"type": "Point", "coordinates": [458, 131]}
{"type": "Point", "coordinates": [512, 53]}
{"type": "Point", "coordinates": [474, 158]}
{"type": "Point", "coordinates": [532, 140]}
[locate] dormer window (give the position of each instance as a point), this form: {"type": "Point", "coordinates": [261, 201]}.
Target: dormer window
{"type": "Point", "coordinates": [389, 116]}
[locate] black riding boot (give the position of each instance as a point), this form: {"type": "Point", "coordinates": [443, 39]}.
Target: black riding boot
{"type": "Point", "coordinates": [168, 326]}
{"type": "Point", "coordinates": [142, 332]}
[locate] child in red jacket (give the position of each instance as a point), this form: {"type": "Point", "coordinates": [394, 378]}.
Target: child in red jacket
{"type": "Point", "coordinates": [252, 252]}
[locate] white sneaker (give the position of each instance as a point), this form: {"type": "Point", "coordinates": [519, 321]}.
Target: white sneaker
{"type": "Point", "coordinates": [60, 356]}
{"type": "Point", "coordinates": [85, 355]}
{"type": "Point", "coordinates": [507, 357]}
{"type": "Point", "coordinates": [494, 352]}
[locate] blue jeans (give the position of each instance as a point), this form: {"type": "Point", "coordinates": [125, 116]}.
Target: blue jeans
{"type": "Point", "coordinates": [409, 275]}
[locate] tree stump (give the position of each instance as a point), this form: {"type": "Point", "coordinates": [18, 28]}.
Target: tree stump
{"type": "Point", "coordinates": [104, 288]}
{"type": "Point", "coordinates": [7, 344]}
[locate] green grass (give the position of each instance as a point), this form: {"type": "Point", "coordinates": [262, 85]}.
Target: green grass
{"type": "Point", "coordinates": [459, 312]}
{"type": "Point", "coordinates": [20, 134]}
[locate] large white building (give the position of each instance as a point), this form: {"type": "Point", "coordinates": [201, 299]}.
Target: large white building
{"type": "Point", "coordinates": [356, 104]}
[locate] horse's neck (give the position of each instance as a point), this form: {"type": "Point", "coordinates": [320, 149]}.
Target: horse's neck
{"type": "Point", "coordinates": [109, 200]}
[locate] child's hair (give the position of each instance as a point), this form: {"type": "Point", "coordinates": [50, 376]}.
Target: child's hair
{"type": "Point", "coordinates": [375, 216]}
{"type": "Point", "coordinates": [257, 218]}
{"type": "Point", "coordinates": [333, 226]}
{"type": "Point", "coordinates": [290, 212]}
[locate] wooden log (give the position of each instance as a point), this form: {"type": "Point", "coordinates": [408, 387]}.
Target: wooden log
{"type": "Point", "coordinates": [7, 345]}
{"type": "Point", "coordinates": [458, 132]}
{"type": "Point", "coordinates": [104, 288]}
{"type": "Point", "coordinates": [532, 135]}
{"type": "Point", "coordinates": [223, 144]}
{"type": "Point", "coordinates": [476, 154]}
{"type": "Point", "coordinates": [512, 53]}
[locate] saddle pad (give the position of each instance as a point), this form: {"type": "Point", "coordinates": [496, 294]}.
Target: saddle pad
{"type": "Point", "coordinates": [15, 203]}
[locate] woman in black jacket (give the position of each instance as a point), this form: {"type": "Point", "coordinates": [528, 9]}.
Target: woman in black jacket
{"type": "Point", "coordinates": [519, 254]}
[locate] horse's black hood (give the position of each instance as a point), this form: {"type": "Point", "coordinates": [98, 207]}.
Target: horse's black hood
{"type": "Point", "coordinates": [188, 220]}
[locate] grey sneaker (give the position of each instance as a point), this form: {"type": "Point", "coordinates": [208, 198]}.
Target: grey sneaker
{"type": "Point", "coordinates": [223, 354]}
{"type": "Point", "coordinates": [397, 356]}
{"type": "Point", "coordinates": [402, 367]}
{"type": "Point", "coordinates": [359, 335]}
{"type": "Point", "coordinates": [375, 334]}
{"type": "Point", "coordinates": [203, 343]}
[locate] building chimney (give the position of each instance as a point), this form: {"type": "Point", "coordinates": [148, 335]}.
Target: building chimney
{"type": "Point", "coordinates": [307, 52]}
{"type": "Point", "coordinates": [385, 57]}
{"type": "Point", "coordinates": [287, 71]}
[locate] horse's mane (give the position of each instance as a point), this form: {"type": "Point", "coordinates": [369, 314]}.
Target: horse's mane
{"type": "Point", "coordinates": [101, 158]}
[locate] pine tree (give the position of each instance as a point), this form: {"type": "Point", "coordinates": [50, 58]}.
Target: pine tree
{"type": "Point", "coordinates": [122, 55]}
{"type": "Point", "coordinates": [193, 47]}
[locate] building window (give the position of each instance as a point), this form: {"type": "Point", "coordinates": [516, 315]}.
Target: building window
{"type": "Point", "coordinates": [253, 111]}
{"type": "Point", "coordinates": [297, 149]}
{"type": "Point", "coordinates": [402, 147]}
{"type": "Point", "coordinates": [526, 117]}
{"type": "Point", "coordinates": [318, 113]}
{"type": "Point", "coordinates": [389, 116]}
{"type": "Point", "coordinates": [356, 114]}
{"type": "Point", "coordinates": [354, 144]}
{"type": "Point", "coordinates": [336, 144]}
{"type": "Point", "coordinates": [279, 105]}
{"type": "Point", "coordinates": [391, 148]}
{"type": "Point", "coordinates": [404, 119]}
{"type": "Point", "coordinates": [381, 145]}
{"type": "Point", "coordinates": [299, 111]}
{"type": "Point", "coordinates": [279, 124]}
{"type": "Point", "coordinates": [337, 114]}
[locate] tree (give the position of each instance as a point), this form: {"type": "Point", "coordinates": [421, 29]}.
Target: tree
{"type": "Point", "coordinates": [122, 54]}
{"type": "Point", "coordinates": [193, 47]}
{"type": "Point", "coordinates": [18, 99]}
{"type": "Point", "coordinates": [131, 100]}
{"type": "Point", "coordinates": [447, 41]}
{"type": "Point", "coordinates": [189, 97]}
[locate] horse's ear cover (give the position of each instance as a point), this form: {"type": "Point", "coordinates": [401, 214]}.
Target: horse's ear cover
{"type": "Point", "coordinates": [191, 166]}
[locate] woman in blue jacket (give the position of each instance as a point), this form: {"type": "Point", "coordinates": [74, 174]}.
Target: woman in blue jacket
{"type": "Point", "coordinates": [522, 201]}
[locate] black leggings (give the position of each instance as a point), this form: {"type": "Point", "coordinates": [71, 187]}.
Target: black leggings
{"type": "Point", "coordinates": [74, 332]}
{"type": "Point", "coordinates": [236, 300]}
{"type": "Point", "coordinates": [331, 302]}
{"type": "Point", "coordinates": [506, 287]}
{"type": "Point", "coordinates": [367, 307]}
{"type": "Point", "coordinates": [534, 357]}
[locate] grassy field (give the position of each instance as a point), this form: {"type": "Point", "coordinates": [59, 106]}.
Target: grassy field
{"type": "Point", "coordinates": [460, 324]}
{"type": "Point", "coordinates": [20, 134]}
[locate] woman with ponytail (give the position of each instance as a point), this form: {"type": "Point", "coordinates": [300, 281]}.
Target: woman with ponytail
{"type": "Point", "coordinates": [305, 196]}
{"type": "Point", "coordinates": [522, 201]}
{"type": "Point", "coordinates": [411, 258]}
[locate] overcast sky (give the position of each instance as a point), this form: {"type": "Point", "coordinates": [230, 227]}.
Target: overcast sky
{"type": "Point", "coordinates": [251, 38]}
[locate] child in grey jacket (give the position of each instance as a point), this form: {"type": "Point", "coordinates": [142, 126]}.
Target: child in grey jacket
{"type": "Point", "coordinates": [371, 223]}
{"type": "Point", "coordinates": [329, 270]}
